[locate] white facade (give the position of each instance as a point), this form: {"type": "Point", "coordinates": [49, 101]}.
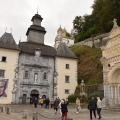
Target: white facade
{"type": "Point", "coordinates": [67, 76]}
{"type": "Point", "coordinates": [111, 67]}
{"type": "Point", "coordinates": [8, 66]}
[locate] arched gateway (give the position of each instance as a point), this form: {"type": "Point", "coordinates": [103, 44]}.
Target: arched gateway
{"type": "Point", "coordinates": [111, 67]}
{"type": "Point", "coordinates": [34, 94]}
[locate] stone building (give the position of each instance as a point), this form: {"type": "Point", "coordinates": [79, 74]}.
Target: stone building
{"type": "Point", "coordinates": [36, 67]}
{"type": "Point", "coordinates": [111, 67]}
{"type": "Point", "coordinates": [66, 67]}
{"type": "Point", "coordinates": [9, 53]}
{"type": "Point", "coordinates": [61, 37]}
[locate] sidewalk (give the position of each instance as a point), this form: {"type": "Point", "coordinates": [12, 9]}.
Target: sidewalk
{"type": "Point", "coordinates": [4, 116]}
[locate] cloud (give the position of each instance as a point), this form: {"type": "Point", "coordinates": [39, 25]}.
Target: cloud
{"type": "Point", "coordinates": [17, 14]}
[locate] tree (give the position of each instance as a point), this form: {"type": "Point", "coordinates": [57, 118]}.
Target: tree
{"type": "Point", "coordinates": [77, 23]}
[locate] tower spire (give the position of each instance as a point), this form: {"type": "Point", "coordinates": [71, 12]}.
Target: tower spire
{"type": "Point", "coordinates": [6, 29]}
{"type": "Point", "coordinates": [37, 9]}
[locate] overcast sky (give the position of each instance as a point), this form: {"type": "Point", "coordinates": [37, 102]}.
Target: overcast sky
{"type": "Point", "coordinates": [17, 14]}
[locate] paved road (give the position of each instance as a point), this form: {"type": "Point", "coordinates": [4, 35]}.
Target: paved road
{"type": "Point", "coordinates": [49, 114]}
{"type": "Point", "coordinates": [5, 118]}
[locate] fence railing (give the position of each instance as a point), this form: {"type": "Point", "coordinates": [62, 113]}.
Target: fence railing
{"type": "Point", "coordinates": [35, 115]}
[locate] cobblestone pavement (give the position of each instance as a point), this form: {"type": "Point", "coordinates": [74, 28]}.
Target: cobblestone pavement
{"type": "Point", "coordinates": [49, 114]}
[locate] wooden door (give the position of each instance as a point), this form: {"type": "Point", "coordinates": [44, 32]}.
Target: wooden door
{"type": "Point", "coordinates": [24, 99]}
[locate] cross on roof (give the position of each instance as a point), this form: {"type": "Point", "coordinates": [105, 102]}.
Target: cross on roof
{"type": "Point", "coordinates": [37, 9]}
{"type": "Point", "coordinates": [6, 29]}
{"type": "Point", "coordinates": [115, 22]}
{"type": "Point", "coordinates": [11, 30]}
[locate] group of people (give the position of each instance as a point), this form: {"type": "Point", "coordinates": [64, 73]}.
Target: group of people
{"type": "Point", "coordinates": [92, 106]}
{"type": "Point", "coordinates": [57, 103]}
{"type": "Point", "coordinates": [63, 103]}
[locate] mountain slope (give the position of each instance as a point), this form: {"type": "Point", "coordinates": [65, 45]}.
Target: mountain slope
{"type": "Point", "coordinates": [89, 65]}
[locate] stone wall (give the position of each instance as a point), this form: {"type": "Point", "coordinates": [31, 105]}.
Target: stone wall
{"type": "Point", "coordinates": [97, 41]}
{"type": "Point", "coordinates": [94, 88]}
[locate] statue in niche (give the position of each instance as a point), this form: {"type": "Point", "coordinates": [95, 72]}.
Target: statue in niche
{"type": "Point", "coordinates": [35, 77]}
{"type": "Point", "coordinates": [15, 88]}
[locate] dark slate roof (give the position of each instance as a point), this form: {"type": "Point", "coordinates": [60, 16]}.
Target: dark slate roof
{"type": "Point", "coordinates": [7, 41]}
{"type": "Point", "coordinates": [36, 28]}
{"type": "Point", "coordinates": [64, 51]}
{"type": "Point", "coordinates": [29, 47]}
{"type": "Point", "coordinates": [37, 16]}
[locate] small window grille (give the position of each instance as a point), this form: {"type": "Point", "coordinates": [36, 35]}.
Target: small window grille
{"type": "Point", "coordinates": [67, 79]}
{"type": "Point", "coordinates": [67, 91]}
{"type": "Point", "coordinates": [26, 74]}
{"type": "Point", "coordinates": [2, 73]}
{"type": "Point", "coordinates": [67, 66]}
{"type": "Point", "coordinates": [45, 76]}
{"type": "Point", "coordinates": [3, 59]}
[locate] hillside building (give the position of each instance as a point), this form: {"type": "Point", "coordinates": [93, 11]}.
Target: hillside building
{"type": "Point", "coordinates": [61, 37]}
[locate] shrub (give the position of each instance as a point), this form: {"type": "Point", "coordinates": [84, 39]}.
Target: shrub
{"type": "Point", "coordinates": [72, 98]}
{"type": "Point", "coordinates": [95, 95]}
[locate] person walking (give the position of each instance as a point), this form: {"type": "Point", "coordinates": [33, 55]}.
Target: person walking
{"type": "Point", "coordinates": [64, 109]}
{"type": "Point", "coordinates": [47, 103]}
{"type": "Point", "coordinates": [77, 105]}
{"type": "Point", "coordinates": [99, 107]}
{"type": "Point", "coordinates": [56, 104]}
{"type": "Point", "coordinates": [35, 102]}
{"type": "Point", "coordinates": [52, 102]}
{"type": "Point", "coordinates": [92, 106]}
{"type": "Point", "coordinates": [41, 102]}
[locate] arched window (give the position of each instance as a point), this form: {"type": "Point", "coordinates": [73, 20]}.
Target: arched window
{"type": "Point", "coordinates": [26, 74]}
{"type": "Point", "coordinates": [45, 76]}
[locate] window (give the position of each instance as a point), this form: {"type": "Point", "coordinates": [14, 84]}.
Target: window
{"type": "Point", "coordinates": [108, 65]}
{"type": "Point", "coordinates": [45, 76]}
{"type": "Point", "coordinates": [67, 66]}
{"type": "Point", "coordinates": [3, 59]}
{"type": "Point", "coordinates": [2, 73]}
{"type": "Point", "coordinates": [67, 79]}
{"type": "Point", "coordinates": [26, 74]}
{"type": "Point", "coordinates": [37, 52]}
{"type": "Point", "coordinates": [67, 91]}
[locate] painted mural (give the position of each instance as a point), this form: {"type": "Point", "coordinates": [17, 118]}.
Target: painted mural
{"type": "Point", "coordinates": [3, 88]}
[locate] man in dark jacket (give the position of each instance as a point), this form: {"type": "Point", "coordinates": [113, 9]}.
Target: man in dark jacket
{"type": "Point", "coordinates": [92, 106]}
{"type": "Point", "coordinates": [47, 101]}
{"type": "Point", "coordinates": [35, 102]}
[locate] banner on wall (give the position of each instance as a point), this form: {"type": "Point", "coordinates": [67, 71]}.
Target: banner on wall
{"type": "Point", "coordinates": [3, 88]}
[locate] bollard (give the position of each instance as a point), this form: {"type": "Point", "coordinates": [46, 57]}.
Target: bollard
{"type": "Point", "coordinates": [25, 114]}
{"type": "Point", "coordinates": [35, 116]}
{"type": "Point", "coordinates": [8, 110]}
{"type": "Point", "coordinates": [0, 109]}
{"type": "Point", "coordinates": [3, 109]}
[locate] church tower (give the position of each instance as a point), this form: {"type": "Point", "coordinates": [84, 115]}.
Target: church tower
{"type": "Point", "coordinates": [36, 32]}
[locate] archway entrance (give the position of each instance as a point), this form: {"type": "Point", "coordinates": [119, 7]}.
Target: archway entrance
{"type": "Point", "coordinates": [34, 94]}
{"type": "Point", "coordinates": [114, 89]}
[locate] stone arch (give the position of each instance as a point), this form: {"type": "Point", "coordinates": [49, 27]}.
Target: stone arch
{"type": "Point", "coordinates": [115, 75]}
{"type": "Point", "coordinates": [34, 94]}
